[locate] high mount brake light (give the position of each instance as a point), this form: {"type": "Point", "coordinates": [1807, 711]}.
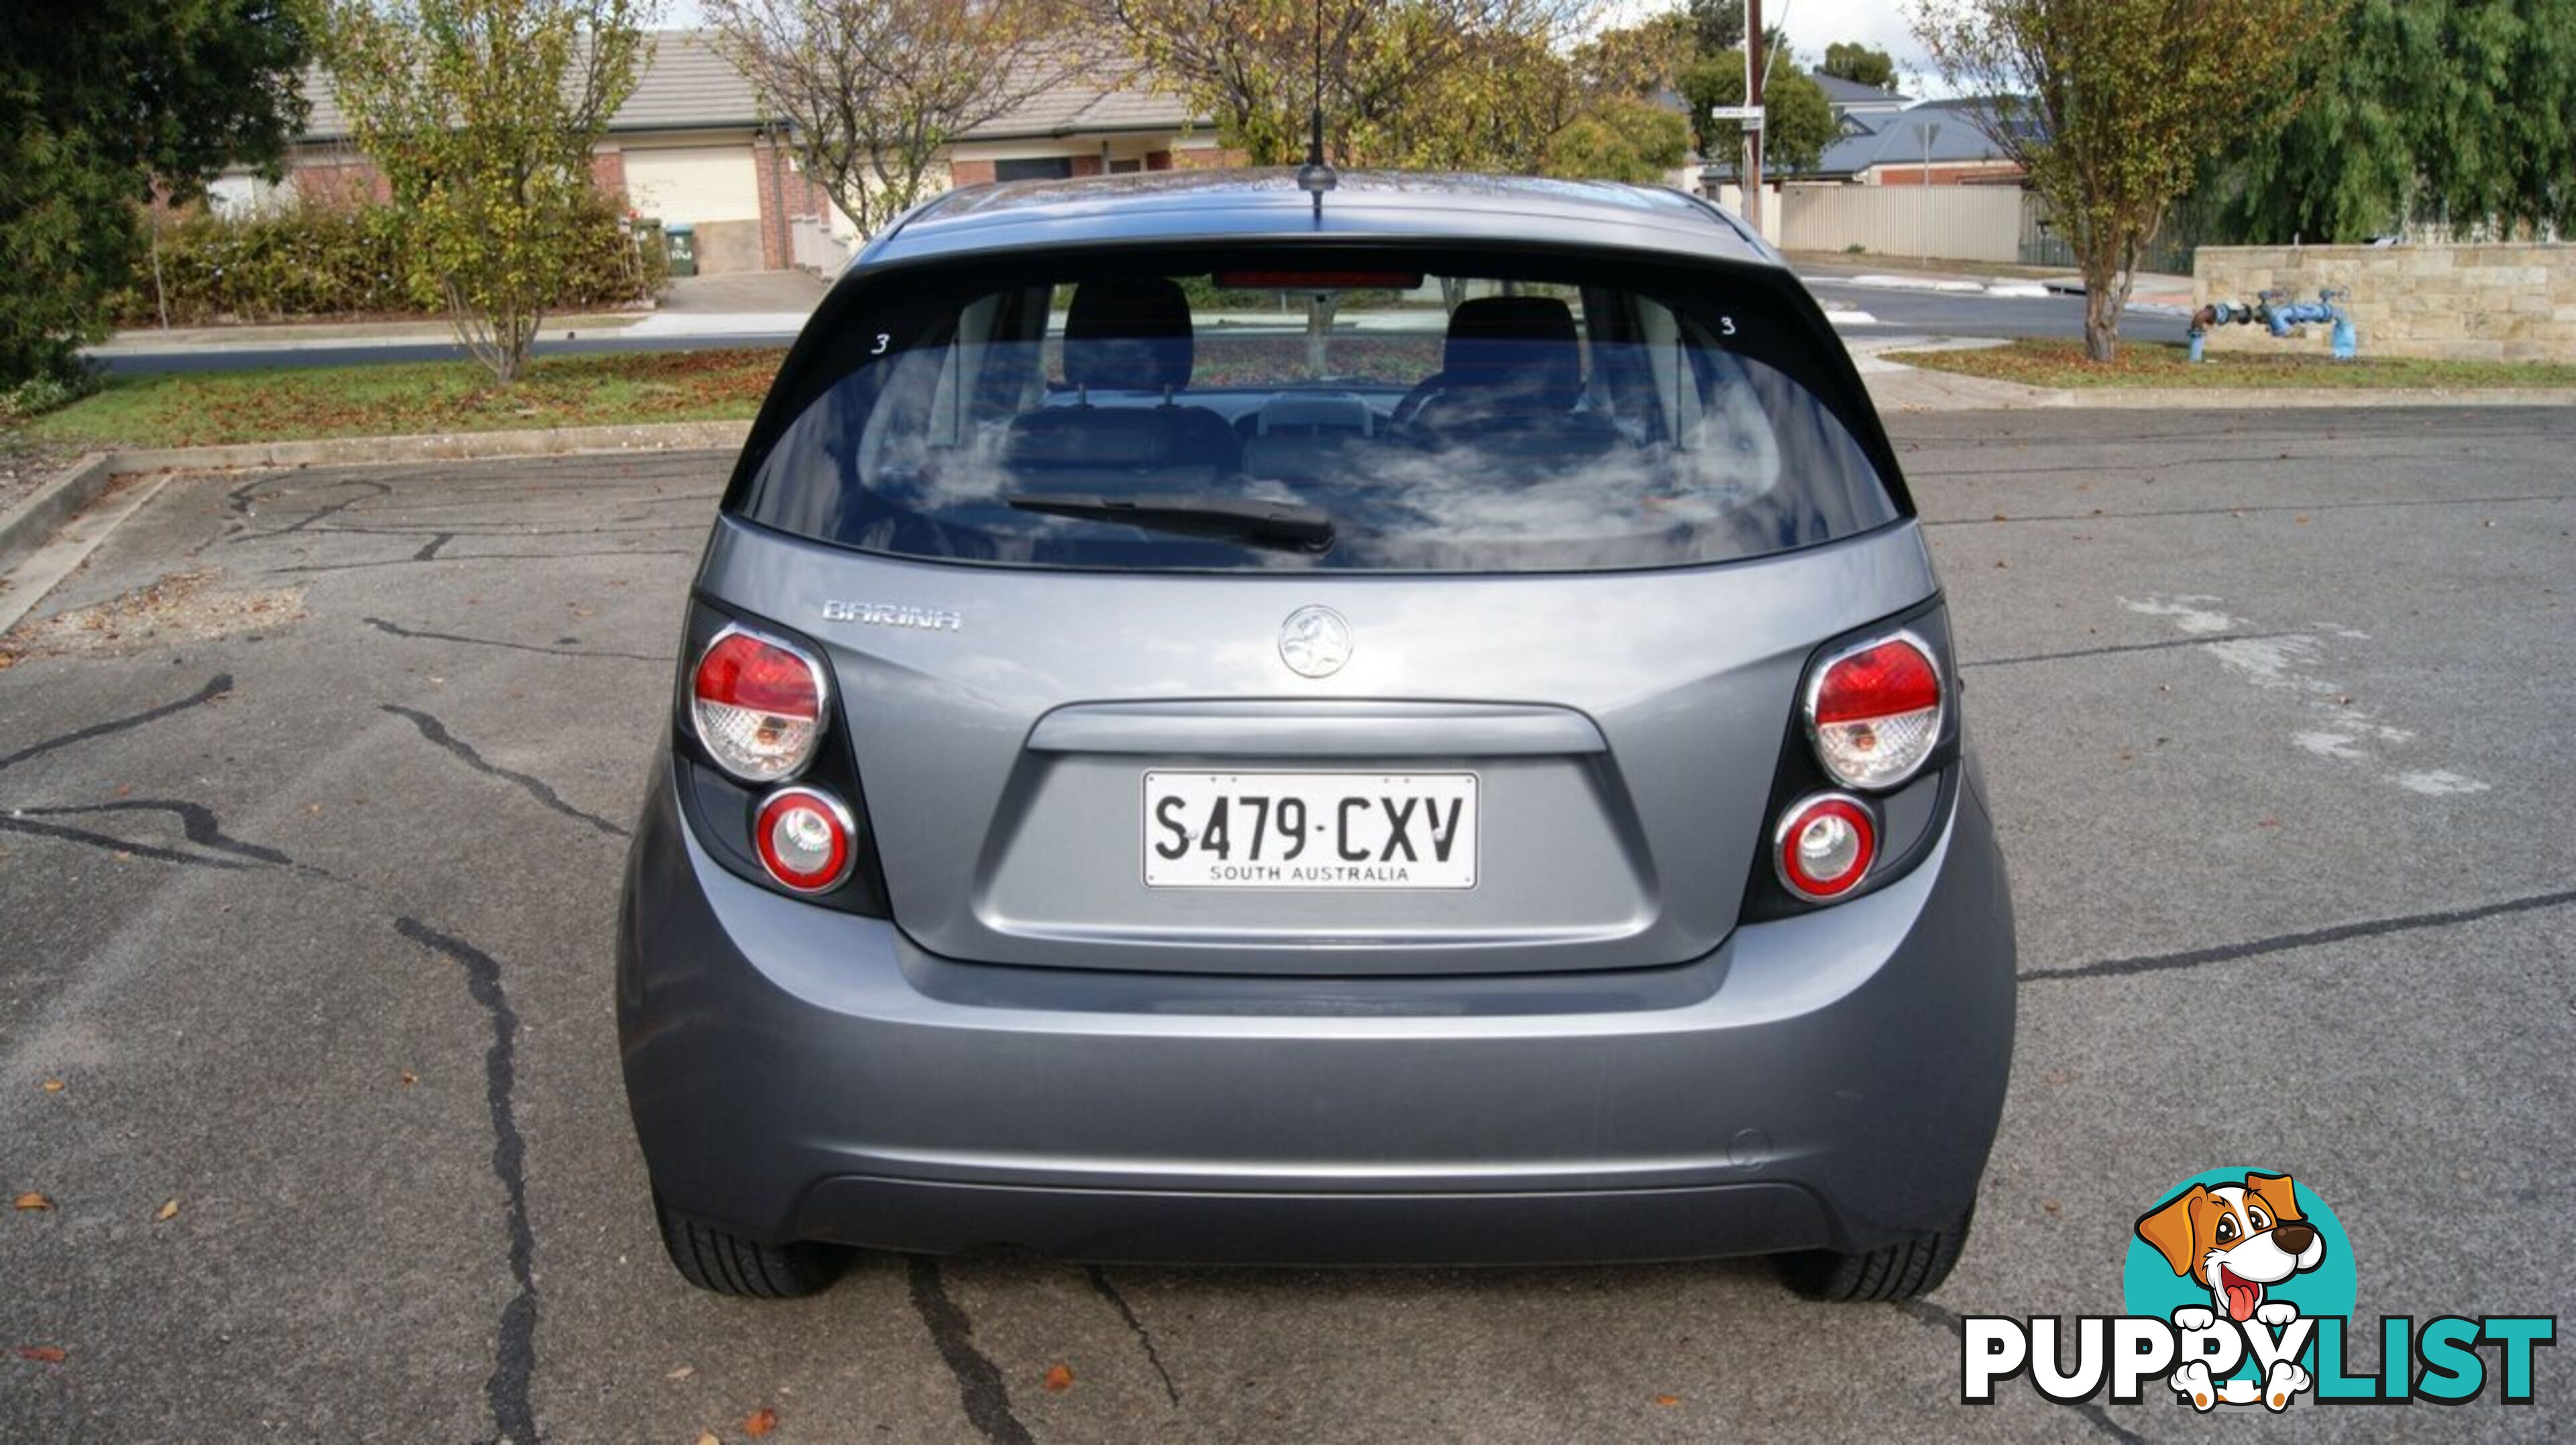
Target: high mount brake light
{"type": "Point", "coordinates": [1874, 711]}
{"type": "Point", "coordinates": [1824, 846]}
{"type": "Point", "coordinates": [757, 704]}
{"type": "Point", "coordinates": [806, 838]}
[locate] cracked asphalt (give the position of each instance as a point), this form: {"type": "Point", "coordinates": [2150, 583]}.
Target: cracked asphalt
{"type": "Point", "coordinates": [308, 908]}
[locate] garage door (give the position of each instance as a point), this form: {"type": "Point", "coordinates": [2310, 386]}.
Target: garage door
{"type": "Point", "coordinates": [694, 185]}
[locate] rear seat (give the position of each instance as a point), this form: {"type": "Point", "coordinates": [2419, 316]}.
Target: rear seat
{"type": "Point", "coordinates": [1511, 377]}
{"type": "Point", "coordinates": [1125, 335]}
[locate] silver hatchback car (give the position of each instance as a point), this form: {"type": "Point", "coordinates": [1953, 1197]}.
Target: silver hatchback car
{"type": "Point", "coordinates": [1414, 724]}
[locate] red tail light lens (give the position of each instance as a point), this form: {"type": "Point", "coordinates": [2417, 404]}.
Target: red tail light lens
{"type": "Point", "coordinates": [1824, 846]}
{"type": "Point", "coordinates": [758, 705]}
{"type": "Point", "coordinates": [1874, 711]}
{"type": "Point", "coordinates": [807, 839]}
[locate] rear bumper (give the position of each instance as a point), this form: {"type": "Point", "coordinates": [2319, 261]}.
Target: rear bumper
{"type": "Point", "coordinates": [1832, 1080]}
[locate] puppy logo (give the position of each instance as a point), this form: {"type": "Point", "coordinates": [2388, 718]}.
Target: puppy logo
{"type": "Point", "coordinates": [2236, 1241]}
{"type": "Point", "coordinates": [2239, 1290]}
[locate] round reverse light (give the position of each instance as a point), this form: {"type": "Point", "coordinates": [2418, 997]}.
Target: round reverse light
{"type": "Point", "coordinates": [757, 703]}
{"type": "Point", "coordinates": [1874, 711]}
{"type": "Point", "coordinates": [1824, 846]}
{"type": "Point", "coordinates": [806, 839]}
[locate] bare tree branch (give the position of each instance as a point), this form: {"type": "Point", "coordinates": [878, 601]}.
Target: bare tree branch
{"type": "Point", "coordinates": [872, 91]}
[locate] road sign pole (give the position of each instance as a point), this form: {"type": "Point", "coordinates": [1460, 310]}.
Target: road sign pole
{"type": "Point", "coordinates": [1753, 68]}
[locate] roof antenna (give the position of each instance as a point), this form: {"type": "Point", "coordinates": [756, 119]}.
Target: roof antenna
{"type": "Point", "coordinates": [1316, 176]}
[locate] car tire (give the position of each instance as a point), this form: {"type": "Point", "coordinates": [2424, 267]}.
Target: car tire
{"type": "Point", "coordinates": [724, 1262]}
{"type": "Point", "coordinates": [1907, 1269]}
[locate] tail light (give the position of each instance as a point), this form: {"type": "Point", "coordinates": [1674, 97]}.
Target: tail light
{"type": "Point", "coordinates": [806, 839]}
{"type": "Point", "coordinates": [1874, 711]}
{"type": "Point", "coordinates": [1825, 845]}
{"type": "Point", "coordinates": [757, 704]}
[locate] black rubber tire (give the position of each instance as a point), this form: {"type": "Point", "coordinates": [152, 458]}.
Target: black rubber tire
{"type": "Point", "coordinates": [726, 1263]}
{"type": "Point", "coordinates": [1907, 1269]}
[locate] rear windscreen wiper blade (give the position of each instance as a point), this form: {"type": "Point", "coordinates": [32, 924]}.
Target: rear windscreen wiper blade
{"type": "Point", "coordinates": [1234, 519]}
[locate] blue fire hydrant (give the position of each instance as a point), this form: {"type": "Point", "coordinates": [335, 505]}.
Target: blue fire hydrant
{"type": "Point", "coordinates": [2278, 314]}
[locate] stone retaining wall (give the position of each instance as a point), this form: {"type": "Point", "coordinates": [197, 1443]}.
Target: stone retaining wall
{"type": "Point", "coordinates": [2457, 303]}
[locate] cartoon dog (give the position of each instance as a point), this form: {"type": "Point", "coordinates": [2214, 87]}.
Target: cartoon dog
{"type": "Point", "coordinates": [2236, 1241]}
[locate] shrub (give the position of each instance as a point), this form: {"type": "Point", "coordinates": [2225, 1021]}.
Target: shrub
{"type": "Point", "coordinates": [47, 391]}
{"type": "Point", "coordinates": [316, 259]}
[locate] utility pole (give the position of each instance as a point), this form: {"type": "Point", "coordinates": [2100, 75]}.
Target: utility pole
{"type": "Point", "coordinates": [1753, 68]}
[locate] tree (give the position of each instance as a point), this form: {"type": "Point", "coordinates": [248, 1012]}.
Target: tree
{"type": "Point", "coordinates": [99, 101]}
{"type": "Point", "coordinates": [482, 114]}
{"type": "Point", "coordinates": [874, 91]}
{"type": "Point", "coordinates": [1861, 65]}
{"type": "Point", "coordinates": [1797, 120]}
{"type": "Point", "coordinates": [1619, 140]}
{"type": "Point", "coordinates": [2111, 105]}
{"type": "Point", "coordinates": [1405, 82]}
{"type": "Point", "coordinates": [2453, 112]}
{"type": "Point", "coordinates": [1717, 26]}
{"type": "Point", "coordinates": [1638, 61]}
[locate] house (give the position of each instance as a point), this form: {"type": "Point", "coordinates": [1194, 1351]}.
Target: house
{"type": "Point", "coordinates": [1883, 140]}
{"type": "Point", "coordinates": [1931, 142]}
{"type": "Point", "coordinates": [691, 147]}
{"type": "Point", "coordinates": [1856, 106]}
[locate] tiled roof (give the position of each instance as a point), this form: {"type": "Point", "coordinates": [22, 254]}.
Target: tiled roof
{"type": "Point", "coordinates": [1900, 140]}
{"type": "Point", "coordinates": [1839, 91]}
{"type": "Point", "coordinates": [690, 85]}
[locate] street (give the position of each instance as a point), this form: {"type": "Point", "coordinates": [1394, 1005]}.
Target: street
{"type": "Point", "coordinates": [1892, 313]}
{"type": "Point", "coordinates": [315, 787]}
{"type": "Point", "coordinates": [1897, 313]}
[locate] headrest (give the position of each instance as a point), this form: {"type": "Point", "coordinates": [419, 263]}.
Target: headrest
{"type": "Point", "coordinates": [1520, 344]}
{"type": "Point", "coordinates": [1129, 333]}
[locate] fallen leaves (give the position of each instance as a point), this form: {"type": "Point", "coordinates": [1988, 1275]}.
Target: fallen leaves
{"type": "Point", "coordinates": [706, 1437]}
{"type": "Point", "coordinates": [408, 1078]}
{"type": "Point", "coordinates": [166, 1212]}
{"type": "Point", "coordinates": [1668, 1401]}
{"type": "Point", "coordinates": [760, 1422]}
{"type": "Point", "coordinates": [41, 1354]}
{"type": "Point", "coordinates": [31, 1200]}
{"type": "Point", "coordinates": [191, 606]}
{"type": "Point", "coordinates": [682, 1373]}
{"type": "Point", "coordinates": [53, 1086]}
{"type": "Point", "coordinates": [1059, 1378]}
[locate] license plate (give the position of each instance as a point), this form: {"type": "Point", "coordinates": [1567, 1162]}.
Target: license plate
{"type": "Point", "coordinates": [1310, 830]}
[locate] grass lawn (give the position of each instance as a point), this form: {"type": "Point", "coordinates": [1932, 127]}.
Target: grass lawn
{"type": "Point", "coordinates": [399, 398]}
{"type": "Point", "coordinates": [2054, 363]}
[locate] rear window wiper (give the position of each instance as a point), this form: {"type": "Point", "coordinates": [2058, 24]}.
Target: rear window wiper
{"type": "Point", "coordinates": [1233, 519]}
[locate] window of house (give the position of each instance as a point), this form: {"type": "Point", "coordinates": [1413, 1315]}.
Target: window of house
{"type": "Point", "coordinates": [1034, 168]}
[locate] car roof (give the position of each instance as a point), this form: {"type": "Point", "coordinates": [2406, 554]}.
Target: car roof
{"type": "Point", "coordinates": [1363, 205]}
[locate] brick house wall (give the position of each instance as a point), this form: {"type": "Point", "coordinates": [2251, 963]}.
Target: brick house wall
{"type": "Point", "coordinates": [1897, 173]}
{"type": "Point", "coordinates": [338, 177]}
{"type": "Point", "coordinates": [787, 195]}
{"type": "Point", "coordinates": [608, 173]}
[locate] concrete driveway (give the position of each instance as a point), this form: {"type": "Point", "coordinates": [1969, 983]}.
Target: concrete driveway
{"type": "Point", "coordinates": [315, 787]}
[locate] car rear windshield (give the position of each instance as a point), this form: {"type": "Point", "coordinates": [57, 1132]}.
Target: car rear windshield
{"type": "Point", "coordinates": [1305, 409]}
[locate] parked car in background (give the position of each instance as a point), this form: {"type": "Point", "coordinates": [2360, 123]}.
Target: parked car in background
{"type": "Point", "coordinates": [1410, 726]}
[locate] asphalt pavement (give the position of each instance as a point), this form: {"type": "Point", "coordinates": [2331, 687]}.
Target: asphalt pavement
{"type": "Point", "coordinates": [1897, 312]}
{"type": "Point", "coordinates": [315, 786]}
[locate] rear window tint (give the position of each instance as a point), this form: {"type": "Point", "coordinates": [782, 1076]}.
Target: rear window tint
{"type": "Point", "coordinates": [1302, 409]}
